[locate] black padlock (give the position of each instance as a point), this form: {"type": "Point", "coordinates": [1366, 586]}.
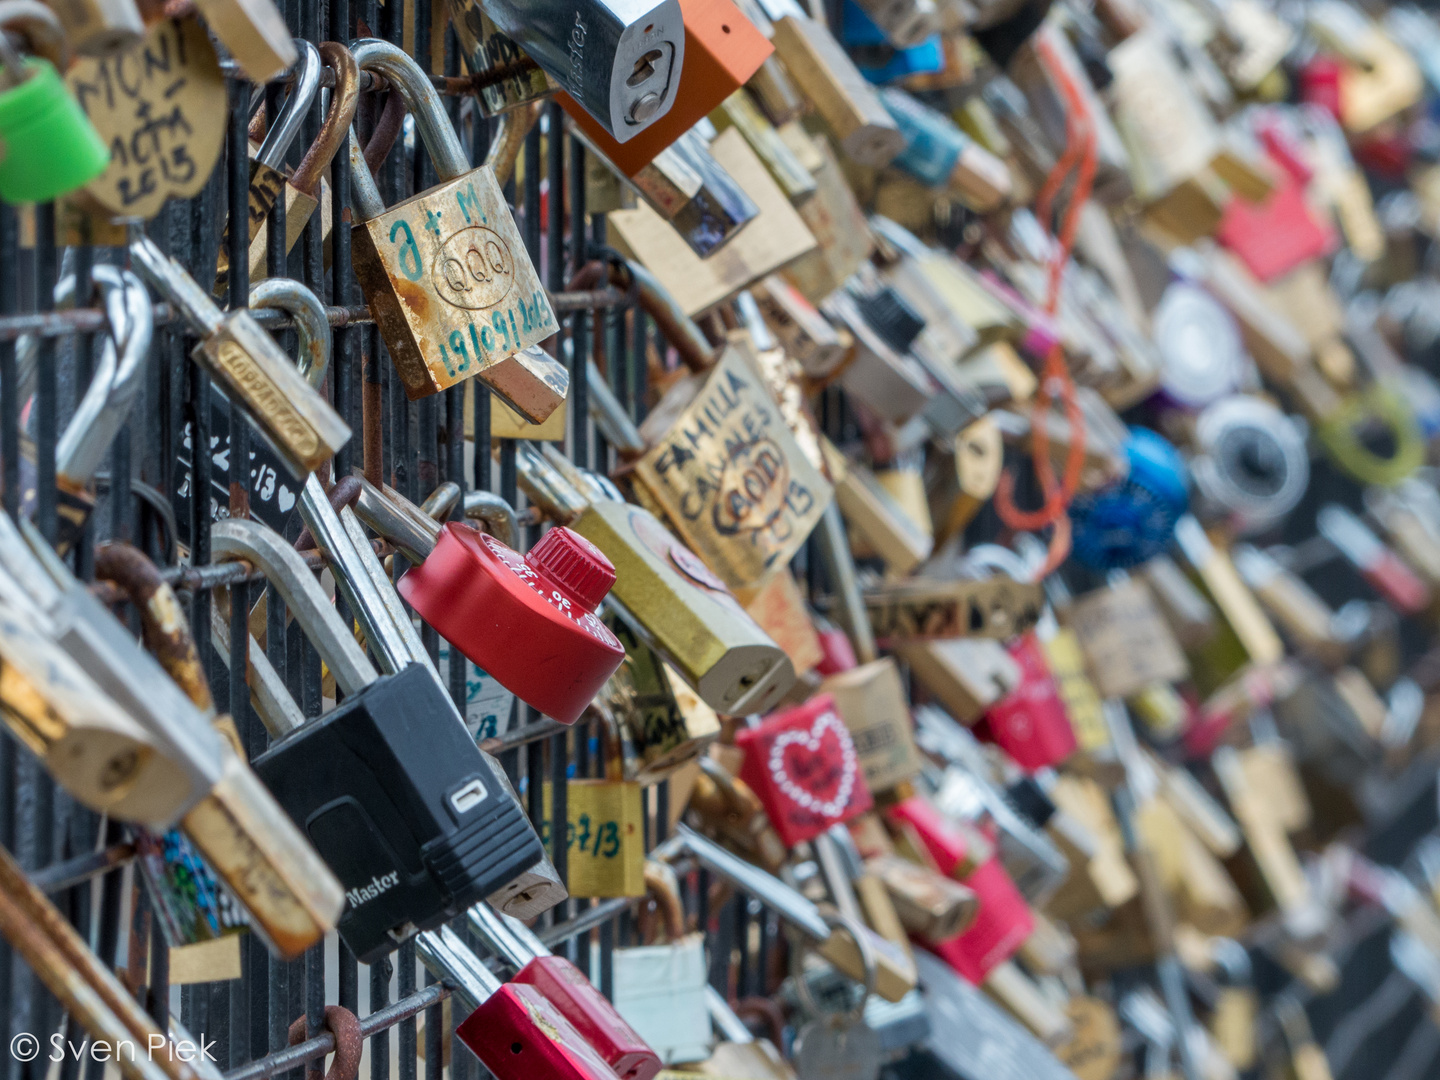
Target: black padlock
{"type": "Point", "coordinates": [398, 801]}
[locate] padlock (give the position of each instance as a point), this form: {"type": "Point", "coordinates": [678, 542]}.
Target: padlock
{"type": "Point", "coordinates": [803, 765]}
{"type": "Point", "coordinates": [305, 189]}
{"type": "Point", "coordinates": [1241, 610]}
{"type": "Point", "coordinates": [1306, 618]}
{"type": "Point", "coordinates": [740, 112]}
{"type": "Point", "coordinates": [512, 1027]}
{"type": "Point", "coordinates": [1385, 571]}
{"type": "Point", "coordinates": [394, 795]}
{"type": "Point", "coordinates": [939, 154]}
{"type": "Point", "coordinates": [446, 273]}
{"type": "Point", "coordinates": [93, 749]}
{"type": "Point", "coordinates": [1378, 77]}
{"type": "Point", "coordinates": [510, 76]}
{"type": "Point", "coordinates": [690, 190]}
{"type": "Point", "coordinates": [545, 600]}
{"type": "Point", "coordinates": [835, 1044]}
{"type": "Point", "coordinates": [243, 360]}
{"type": "Point", "coordinates": [1252, 464]}
{"type": "Point", "coordinates": [916, 609]}
{"type": "Point", "coordinates": [721, 50]}
{"type": "Point", "coordinates": [1127, 644]}
{"type": "Point", "coordinates": [895, 969]}
{"type": "Point", "coordinates": [51, 148]}
{"type": "Point", "coordinates": [102, 412]}
{"type": "Point", "coordinates": [667, 725]}
{"type": "Point", "coordinates": [290, 895]}
{"type": "Point", "coordinates": [568, 990]}
{"type": "Point", "coordinates": [769, 496]}
{"type": "Point", "coordinates": [99, 27]}
{"type": "Point", "coordinates": [605, 830]}
{"type": "Point", "coordinates": [267, 178]}
{"type": "Point", "coordinates": [660, 989]}
{"type": "Point", "coordinates": [932, 907]}
{"type": "Point", "coordinates": [880, 522]}
{"type": "Point", "coordinates": [871, 701]}
{"type": "Point", "coordinates": [737, 1052]}
{"type": "Point", "coordinates": [366, 586]}
{"type": "Point", "coordinates": [1003, 920]}
{"type": "Point", "coordinates": [254, 33]}
{"type": "Point", "coordinates": [966, 676]}
{"type": "Point", "coordinates": [828, 77]}
{"type": "Point", "coordinates": [621, 63]}
{"type": "Point", "coordinates": [808, 337]}
{"type": "Point", "coordinates": [1410, 515]}
{"type": "Point", "coordinates": [1030, 723]}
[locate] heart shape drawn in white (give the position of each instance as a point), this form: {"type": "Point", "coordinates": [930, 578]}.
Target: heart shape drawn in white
{"type": "Point", "coordinates": [810, 740]}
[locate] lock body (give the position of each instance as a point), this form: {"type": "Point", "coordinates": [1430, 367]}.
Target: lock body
{"type": "Point", "coordinates": [403, 808]}
{"type": "Point", "coordinates": [454, 293]}
{"type": "Point", "coordinates": [686, 611]}
{"type": "Point", "coordinates": [620, 60]}
{"type": "Point", "coordinates": [51, 148]}
{"type": "Point", "coordinates": [803, 765]}
{"type": "Point", "coordinates": [492, 54]}
{"type": "Point", "coordinates": [1030, 723]}
{"type": "Point", "coordinates": [722, 49]}
{"type": "Point", "coordinates": [520, 1035]}
{"type": "Point", "coordinates": [300, 426]}
{"type": "Point", "coordinates": [592, 1015]}
{"type": "Point", "coordinates": [516, 619]}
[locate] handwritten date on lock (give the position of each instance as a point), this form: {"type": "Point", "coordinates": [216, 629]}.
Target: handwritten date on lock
{"type": "Point", "coordinates": [727, 469]}
{"type": "Point", "coordinates": [452, 297]}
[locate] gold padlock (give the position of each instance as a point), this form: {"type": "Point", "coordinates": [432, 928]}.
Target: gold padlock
{"type": "Point", "coordinates": [871, 702]}
{"type": "Point", "coordinates": [605, 835]}
{"type": "Point", "coordinates": [446, 273]}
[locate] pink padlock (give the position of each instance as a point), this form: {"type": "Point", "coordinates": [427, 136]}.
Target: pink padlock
{"type": "Point", "coordinates": [1030, 723]}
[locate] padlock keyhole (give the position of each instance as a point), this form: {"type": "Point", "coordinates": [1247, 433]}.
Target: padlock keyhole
{"type": "Point", "coordinates": [644, 68]}
{"type": "Point", "coordinates": [516, 1047]}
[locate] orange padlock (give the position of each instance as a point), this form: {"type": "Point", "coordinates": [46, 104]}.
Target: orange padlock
{"type": "Point", "coordinates": [722, 50]}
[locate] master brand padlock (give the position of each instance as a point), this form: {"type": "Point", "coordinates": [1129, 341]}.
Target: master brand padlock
{"type": "Point", "coordinates": [389, 786]}
{"type": "Point", "coordinates": [298, 424]}
{"type": "Point", "coordinates": [566, 988]}
{"type": "Point", "coordinates": [660, 989]}
{"type": "Point", "coordinates": [621, 60]}
{"type": "Point", "coordinates": [513, 1028]}
{"type": "Point", "coordinates": [51, 147]}
{"type": "Point", "coordinates": [803, 765]}
{"type": "Point", "coordinates": [267, 178]}
{"type": "Point", "coordinates": [446, 273]}
{"type": "Point", "coordinates": [722, 49]}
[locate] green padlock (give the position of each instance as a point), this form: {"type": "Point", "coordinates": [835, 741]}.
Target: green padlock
{"type": "Point", "coordinates": [48, 146]}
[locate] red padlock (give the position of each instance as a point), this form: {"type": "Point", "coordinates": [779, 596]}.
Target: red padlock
{"type": "Point", "coordinates": [527, 620]}
{"type": "Point", "coordinates": [515, 1031]}
{"type": "Point", "coordinates": [1275, 236]}
{"type": "Point", "coordinates": [803, 766]}
{"type": "Point", "coordinates": [836, 652]}
{"type": "Point", "coordinates": [1003, 920]}
{"type": "Point", "coordinates": [1030, 723]}
{"type": "Point", "coordinates": [563, 984]}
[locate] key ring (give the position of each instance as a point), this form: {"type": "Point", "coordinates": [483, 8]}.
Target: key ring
{"type": "Point", "coordinates": [837, 921]}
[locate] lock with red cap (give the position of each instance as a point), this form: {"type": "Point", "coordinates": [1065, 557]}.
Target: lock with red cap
{"type": "Point", "coordinates": [527, 620]}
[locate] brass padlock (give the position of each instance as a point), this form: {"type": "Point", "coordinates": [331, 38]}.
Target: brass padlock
{"type": "Point", "coordinates": [919, 610]}
{"type": "Point", "coordinates": [871, 701]}
{"type": "Point", "coordinates": [254, 33]}
{"type": "Point", "coordinates": [446, 272]}
{"type": "Point", "coordinates": [605, 835]}
{"type": "Point", "coordinates": [511, 77]}
{"type": "Point", "coordinates": [99, 27]}
{"type": "Point", "coordinates": [1127, 643]}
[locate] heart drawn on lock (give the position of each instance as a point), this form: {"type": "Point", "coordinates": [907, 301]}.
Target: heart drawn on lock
{"type": "Point", "coordinates": [800, 775]}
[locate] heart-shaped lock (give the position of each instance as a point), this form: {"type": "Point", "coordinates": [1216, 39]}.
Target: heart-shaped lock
{"type": "Point", "coordinates": [803, 765]}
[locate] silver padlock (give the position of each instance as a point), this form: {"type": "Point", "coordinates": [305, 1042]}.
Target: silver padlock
{"type": "Point", "coordinates": [620, 59]}
{"type": "Point", "coordinates": [836, 1045]}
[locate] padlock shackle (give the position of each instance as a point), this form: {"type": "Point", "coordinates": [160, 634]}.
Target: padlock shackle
{"type": "Point", "coordinates": [799, 911]}
{"type": "Point", "coordinates": [41, 28]}
{"type": "Point", "coordinates": [678, 328]}
{"type": "Point", "coordinates": [283, 567]}
{"type": "Point", "coordinates": [175, 284]}
{"type": "Point", "coordinates": [413, 534]}
{"type": "Point", "coordinates": [286, 127]}
{"type": "Point", "coordinates": [499, 936]}
{"type": "Point", "coordinates": [117, 380]}
{"type": "Point", "coordinates": [312, 325]}
{"type": "Point", "coordinates": [546, 487]}
{"type": "Point", "coordinates": [495, 512]}
{"type": "Point", "coordinates": [446, 957]}
{"type": "Point", "coordinates": [344, 100]}
{"type": "Point", "coordinates": [508, 138]}
{"type": "Point", "coordinates": [441, 501]}
{"type": "Point", "coordinates": [422, 100]}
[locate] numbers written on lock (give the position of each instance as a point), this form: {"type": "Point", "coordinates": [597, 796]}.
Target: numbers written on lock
{"type": "Point", "coordinates": [593, 837]}
{"type": "Point", "coordinates": [472, 268]}
{"type": "Point", "coordinates": [155, 107]}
